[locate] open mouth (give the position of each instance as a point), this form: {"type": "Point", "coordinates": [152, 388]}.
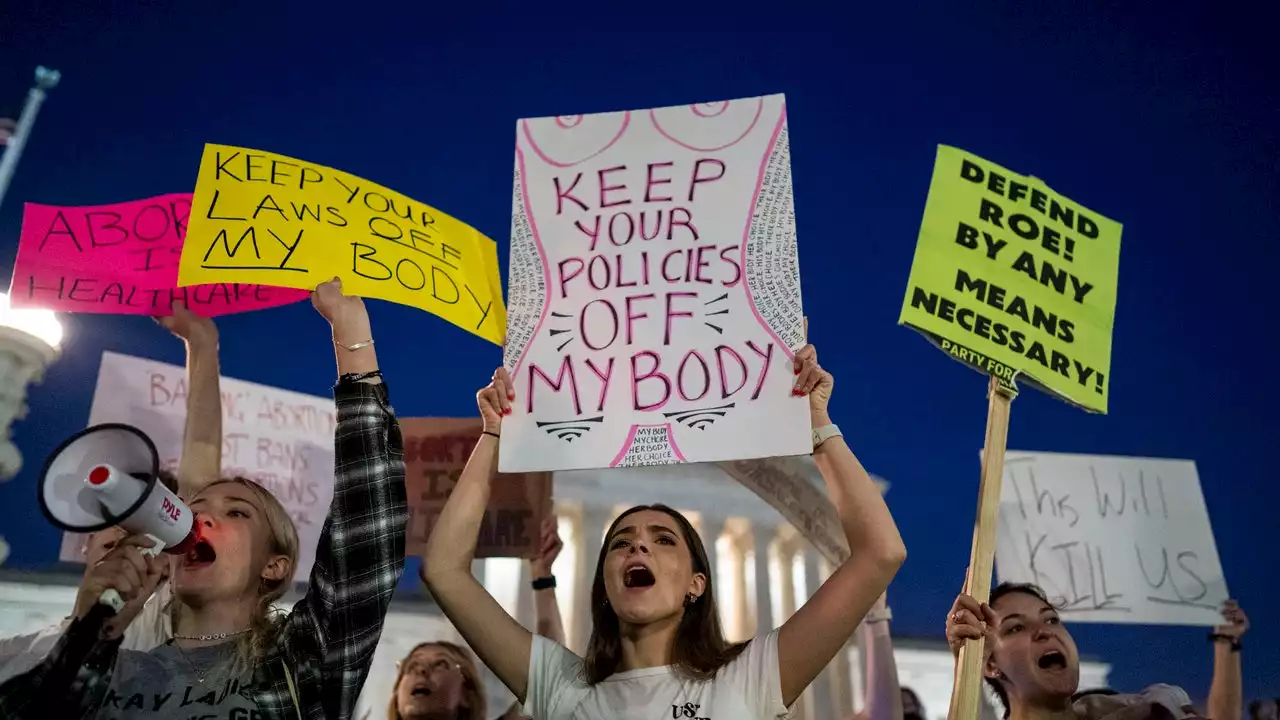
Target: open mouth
{"type": "Point", "coordinates": [637, 576]}
{"type": "Point", "coordinates": [1052, 660]}
{"type": "Point", "coordinates": [421, 691]}
{"type": "Point", "coordinates": [201, 555]}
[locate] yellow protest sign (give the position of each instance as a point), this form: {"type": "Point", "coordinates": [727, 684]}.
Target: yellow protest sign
{"type": "Point", "coordinates": [1014, 279]}
{"type": "Point", "coordinates": [262, 218]}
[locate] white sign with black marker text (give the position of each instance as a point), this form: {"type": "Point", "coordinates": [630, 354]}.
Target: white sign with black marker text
{"type": "Point", "coordinates": [282, 439]}
{"type": "Point", "coordinates": [1111, 539]}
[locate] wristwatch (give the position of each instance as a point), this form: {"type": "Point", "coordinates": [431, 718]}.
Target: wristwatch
{"type": "Point", "coordinates": [825, 433]}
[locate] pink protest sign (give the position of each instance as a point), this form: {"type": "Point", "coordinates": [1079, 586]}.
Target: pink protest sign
{"type": "Point", "coordinates": [120, 259]}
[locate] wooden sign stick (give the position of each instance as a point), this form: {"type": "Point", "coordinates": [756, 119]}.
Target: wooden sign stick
{"type": "Point", "coordinates": [968, 680]}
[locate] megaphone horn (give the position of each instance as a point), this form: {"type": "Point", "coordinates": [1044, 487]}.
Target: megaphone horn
{"type": "Point", "coordinates": [108, 475]}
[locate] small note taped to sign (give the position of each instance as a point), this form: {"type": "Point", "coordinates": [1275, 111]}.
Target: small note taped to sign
{"type": "Point", "coordinates": [1111, 539]}
{"type": "Point", "coordinates": [259, 217]}
{"type": "Point", "coordinates": [121, 259]}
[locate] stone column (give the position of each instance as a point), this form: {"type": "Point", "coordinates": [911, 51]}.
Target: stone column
{"type": "Point", "coordinates": [762, 537]}
{"type": "Point", "coordinates": [525, 614]}
{"type": "Point", "coordinates": [590, 529]}
{"type": "Point", "coordinates": [822, 688]}
{"type": "Point", "coordinates": [787, 546]}
{"type": "Point", "coordinates": [711, 530]}
{"type": "Point", "coordinates": [739, 543]}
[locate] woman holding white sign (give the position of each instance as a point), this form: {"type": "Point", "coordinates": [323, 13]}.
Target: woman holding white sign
{"type": "Point", "coordinates": [1033, 668]}
{"type": "Point", "coordinates": [656, 645]}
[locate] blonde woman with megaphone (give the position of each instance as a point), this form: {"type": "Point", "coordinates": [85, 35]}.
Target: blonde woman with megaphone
{"type": "Point", "coordinates": [231, 656]}
{"type": "Point", "coordinates": [144, 623]}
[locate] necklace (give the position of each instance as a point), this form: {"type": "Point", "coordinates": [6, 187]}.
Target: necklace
{"type": "Point", "coordinates": [200, 677]}
{"type": "Point", "coordinates": [211, 636]}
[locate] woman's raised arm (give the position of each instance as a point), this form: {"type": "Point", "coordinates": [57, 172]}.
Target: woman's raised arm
{"type": "Point", "coordinates": [333, 631]}
{"type": "Point", "coordinates": [201, 461]}
{"type": "Point", "coordinates": [811, 637]}
{"type": "Point", "coordinates": [501, 642]}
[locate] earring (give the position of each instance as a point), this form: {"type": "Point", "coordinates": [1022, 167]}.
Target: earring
{"type": "Point", "coordinates": [690, 599]}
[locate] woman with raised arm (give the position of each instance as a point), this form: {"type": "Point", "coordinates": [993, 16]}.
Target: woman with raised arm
{"type": "Point", "coordinates": [439, 680]}
{"type": "Point", "coordinates": [1033, 668]}
{"type": "Point", "coordinates": [146, 619]}
{"type": "Point", "coordinates": [656, 645]}
{"type": "Point", "coordinates": [232, 656]}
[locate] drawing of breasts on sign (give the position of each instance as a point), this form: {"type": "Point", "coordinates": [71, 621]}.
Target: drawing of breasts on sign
{"type": "Point", "coordinates": [654, 301]}
{"type": "Point", "coordinates": [120, 259]}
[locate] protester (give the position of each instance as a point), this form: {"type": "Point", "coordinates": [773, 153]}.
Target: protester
{"type": "Point", "coordinates": [912, 708]}
{"type": "Point", "coordinates": [885, 699]}
{"type": "Point", "coordinates": [1226, 691]}
{"type": "Point", "coordinates": [1032, 665]}
{"type": "Point", "coordinates": [1267, 709]}
{"type": "Point", "coordinates": [146, 619]}
{"type": "Point", "coordinates": [229, 650]}
{"type": "Point", "coordinates": [439, 680]}
{"type": "Point", "coordinates": [20, 653]}
{"type": "Point", "coordinates": [656, 645]}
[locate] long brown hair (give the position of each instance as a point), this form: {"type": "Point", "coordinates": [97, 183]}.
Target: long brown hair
{"type": "Point", "coordinates": [700, 648]}
{"type": "Point", "coordinates": [282, 539]}
{"type": "Point", "coordinates": [477, 704]}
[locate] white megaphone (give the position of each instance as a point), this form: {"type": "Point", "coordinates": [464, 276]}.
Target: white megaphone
{"type": "Point", "coordinates": [109, 475]}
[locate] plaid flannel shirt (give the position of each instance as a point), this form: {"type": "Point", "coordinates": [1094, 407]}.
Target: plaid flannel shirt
{"type": "Point", "coordinates": [327, 642]}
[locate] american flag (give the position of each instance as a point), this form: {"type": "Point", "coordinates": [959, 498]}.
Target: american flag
{"type": "Point", "coordinates": [7, 126]}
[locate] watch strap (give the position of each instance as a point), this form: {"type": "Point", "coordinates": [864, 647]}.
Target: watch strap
{"type": "Point", "coordinates": [825, 433]}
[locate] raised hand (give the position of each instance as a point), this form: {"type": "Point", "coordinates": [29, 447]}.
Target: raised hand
{"type": "Point", "coordinates": [815, 382]}
{"type": "Point", "coordinates": [1237, 622]}
{"type": "Point", "coordinates": [494, 401]}
{"type": "Point", "coordinates": [127, 571]}
{"type": "Point", "coordinates": [346, 312]}
{"type": "Point", "coordinates": [549, 548]}
{"type": "Point", "coordinates": [192, 328]}
{"type": "Point", "coordinates": [968, 620]}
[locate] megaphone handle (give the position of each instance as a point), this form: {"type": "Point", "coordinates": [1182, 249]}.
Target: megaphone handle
{"type": "Point", "coordinates": [156, 548]}
{"type": "Point", "coordinates": [110, 597]}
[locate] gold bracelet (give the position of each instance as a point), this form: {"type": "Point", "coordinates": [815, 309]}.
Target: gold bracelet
{"type": "Point", "coordinates": [353, 348]}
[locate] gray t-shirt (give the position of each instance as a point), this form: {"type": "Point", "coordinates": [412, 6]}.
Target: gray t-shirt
{"type": "Point", "coordinates": [169, 683]}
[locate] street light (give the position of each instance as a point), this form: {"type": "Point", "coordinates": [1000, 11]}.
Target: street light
{"type": "Point", "coordinates": [30, 339]}
{"type": "Point", "coordinates": [46, 80]}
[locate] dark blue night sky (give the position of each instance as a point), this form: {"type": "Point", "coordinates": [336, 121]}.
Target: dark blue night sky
{"type": "Point", "coordinates": [1166, 121]}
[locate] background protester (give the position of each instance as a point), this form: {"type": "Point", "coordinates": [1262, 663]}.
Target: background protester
{"type": "Point", "coordinates": [1032, 665]}
{"type": "Point", "coordinates": [885, 699]}
{"type": "Point", "coordinates": [656, 645]}
{"type": "Point", "coordinates": [1268, 709]}
{"type": "Point", "coordinates": [230, 652]}
{"type": "Point", "coordinates": [439, 680]}
{"type": "Point", "coordinates": [146, 619]}
{"type": "Point", "coordinates": [1226, 690]}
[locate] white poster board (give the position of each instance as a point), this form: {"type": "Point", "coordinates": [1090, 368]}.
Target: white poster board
{"type": "Point", "coordinates": [654, 295]}
{"type": "Point", "coordinates": [1111, 539]}
{"type": "Point", "coordinates": [281, 439]}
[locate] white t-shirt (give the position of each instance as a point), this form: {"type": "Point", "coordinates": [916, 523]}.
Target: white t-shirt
{"type": "Point", "coordinates": [148, 630]}
{"type": "Point", "coordinates": [748, 688]}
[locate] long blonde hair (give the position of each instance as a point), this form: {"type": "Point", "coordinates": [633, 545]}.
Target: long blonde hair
{"type": "Point", "coordinates": [477, 704]}
{"type": "Point", "coordinates": [265, 622]}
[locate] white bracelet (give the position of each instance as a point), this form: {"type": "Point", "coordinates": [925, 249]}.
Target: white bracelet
{"type": "Point", "coordinates": [825, 433]}
{"type": "Point", "coordinates": [874, 617]}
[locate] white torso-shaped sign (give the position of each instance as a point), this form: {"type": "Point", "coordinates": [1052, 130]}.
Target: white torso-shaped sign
{"type": "Point", "coordinates": [654, 305]}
